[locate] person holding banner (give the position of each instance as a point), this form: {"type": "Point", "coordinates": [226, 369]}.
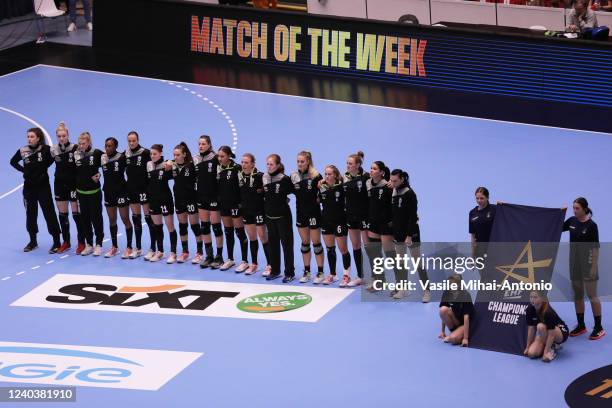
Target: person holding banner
{"type": "Point", "coordinates": [456, 312]}
{"type": "Point", "coordinates": [545, 329]}
{"type": "Point", "coordinates": [481, 222]}
{"type": "Point", "coordinates": [584, 254]}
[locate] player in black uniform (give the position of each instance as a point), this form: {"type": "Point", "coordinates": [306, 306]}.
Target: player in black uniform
{"type": "Point", "coordinates": [380, 216]}
{"type": "Point", "coordinates": [356, 210]}
{"type": "Point", "coordinates": [405, 226]}
{"type": "Point", "coordinates": [36, 157]}
{"type": "Point", "coordinates": [277, 187]}
{"type": "Point", "coordinates": [481, 222]}
{"type": "Point", "coordinates": [252, 209]}
{"type": "Point", "coordinates": [456, 313]}
{"type": "Point", "coordinates": [308, 213]}
{"type": "Point", "coordinates": [161, 204]}
{"type": "Point", "coordinates": [185, 200]}
{"type": "Point", "coordinates": [206, 163]}
{"type": "Point", "coordinates": [136, 159]}
{"type": "Point", "coordinates": [229, 204]}
{"type": "Point", "coordinates": [64, 188]}
{"type": "Point", "coordinates": [333, 224]}
{"type": "Point", "coordinates": [115, 196]}
{"type": "Point", "coordinates": [88, 161]}
{"type": "Point", "coordinates": [584, 273]}
{"type": "Point", "coordinates": [545, 329]}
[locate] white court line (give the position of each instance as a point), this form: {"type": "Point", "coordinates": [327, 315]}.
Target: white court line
{"type": "Point", "coordinates": [6, 278]}
{"type": "Point", "coordinates": [106, 240]}
{"type": "Point", "coordinates": [36, 124]}
{"type": "Point", "coordinates": [329, 100]}
{"type": "Point", "coordinates": [50, 262]}
{"type": "Point", "coordinates": [64, 256]}
{"type": "Point", "coordinates": [35, 267]}
{"type": "Point", "coordinates": [20, 273]}
{"type": "Point", "coordinates": [18, 71]}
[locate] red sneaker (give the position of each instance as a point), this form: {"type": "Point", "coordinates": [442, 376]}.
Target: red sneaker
{"type": "Point", "coordinates": [597, 334]}
{"type": "Point", "coordinates": [80, 248]}
{"type": "Point", "coordinates": [63, 248]}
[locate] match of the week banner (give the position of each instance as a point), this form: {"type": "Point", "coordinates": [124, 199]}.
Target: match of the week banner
{"type": "Point", "coordinates": [329, 48]}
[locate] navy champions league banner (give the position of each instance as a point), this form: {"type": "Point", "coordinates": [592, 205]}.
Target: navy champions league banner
{"type": "Point", "coordinates": [530, 237]}
{"type": "Point", "coordinates": [469, 60]}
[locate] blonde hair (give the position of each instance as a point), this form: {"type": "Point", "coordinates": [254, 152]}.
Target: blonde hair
{"type": "Point", "coordinates": [85, 135]}
{"type": "Point", "coordinates": [62, 126]}
{"type": "Point", "coordinates": [312, 172]}
{"type": "Point", "coordinates": [336, 172]}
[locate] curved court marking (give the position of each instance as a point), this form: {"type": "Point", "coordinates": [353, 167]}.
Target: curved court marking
{"type": "Point", "coordinates": [213, 105]}
{"type": "Point", "coordinates": [36, 124]}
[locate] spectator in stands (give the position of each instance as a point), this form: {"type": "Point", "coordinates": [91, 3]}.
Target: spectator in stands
{"type": "Point", "coordinates": [600, 5]}
{"type": "Point", "coordinates": [581, 17]}
{"type": "Point", "coordinates": [73, 16]}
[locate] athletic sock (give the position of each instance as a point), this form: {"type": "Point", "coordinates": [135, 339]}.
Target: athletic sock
{"type": "Point", "coordinates": [580, 318]}
{"type": "Point", "coordinates": [346, 260]}
{"type": "Point", "coordinates": [185, 245]}
{"type": "Point", "coordinates": [254, 246]}
{"type": "Point", "coordinates": [128, 235]}
{"type": "Point", "coordinates": [358, 256]}
{"type": "Point", "coordinates": [65, 226]}
{"type": "Point", "coordinates": [597, 322]}
{"type": "Point", "coordinates": [173, 239]}
{"type": "Point", "coordinates": [209, 249]}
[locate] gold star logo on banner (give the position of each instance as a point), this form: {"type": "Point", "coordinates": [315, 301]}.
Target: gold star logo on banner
{"type": "Point", "coordinates": [530, 265]}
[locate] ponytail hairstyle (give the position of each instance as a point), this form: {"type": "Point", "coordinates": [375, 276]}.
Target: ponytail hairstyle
{"type": "Point", "coordinates": [62, 127]}
{"type": "Point", "coordinates": [86, 135]}
{"type": "Point", "coordinates": [582, 202]}
{"type": "Point", "coordinates": [185, 149]}
{"type": "Point", "coordinates": [207, 138]}
{"type": "Point", "coordinates": [382, 167]}
{"type": "Point", "coordinates": [112, 139]}
{"type": "Point", "coordinates": [158, 147]}
{"type": "Point", "coordinates": [133, 132]}
{"type": "Point", "coordinates": [358, 157]}
{"type": "Point", "coordinates": [39, 134]}
{"type": "Point", "coordinates": [336, 172]}
{"type": "Point", "coordinates": [227, 150]}
{"type": "Point", "coordinates": [482, 190]}
{"type": "Point", "coordinates": [312, 172]}
{"type": "Point", "coordinates": [277, 160]}
{"type": "Point", "coordinates": [403, 175]}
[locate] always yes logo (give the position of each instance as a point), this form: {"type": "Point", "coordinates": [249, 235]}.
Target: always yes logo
{"type": "Point", "coordinates": [182, 297]}
{"type": "Point", "coordinates": [59, 364]}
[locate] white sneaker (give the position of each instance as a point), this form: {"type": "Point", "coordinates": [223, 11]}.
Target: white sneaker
{"type": "Point", "coordinates": [136, 253]}
{"type": "Point", "coordinates": [111, 252]}
{"type": "Point", "coordinates": [346, 279]}
{"type": "Point", "coordinates": [242, 267]}
{"type": "Point", "coordinates": [158, 256]}
{"type": "Point", "coordinates": [127, 254]}
{"type": "Point", "coordinates": [355, 282]}
{"type": "Point", "coordinates": [171, 259]}
{"type": "Point", "coordinates": [251, 269]}
{"type": "Point", "coordinates": [87, 251]}
{"type": "Point", "coordinates": [183, 257]}
{"type": "Point", "coordinates": [196, 260]}
{"type": "Point", "coordinates": [227, 264]}
{"type": "Point", "coordinates": [97, 250]}
{"type": "Point", "coordinates": [267, 271]}
{"type": "Point", "coordinates": [399, 294]}
{"type": "Point", "coordinates": [319, 278]}
{"type": "Point", "coordinates": [330, 279]}
{"type": "Point", "coordinates": [90, 26]}
{"type": "Point", "coordinates": [305, 278]}
{"type": "Point", "coordinates": [149, 255]}
{"type": "Point", "coordinates": [72, 27]}
{"type": "Point", "coordinates": [426, 296]}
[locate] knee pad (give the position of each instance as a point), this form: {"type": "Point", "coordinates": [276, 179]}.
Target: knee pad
{"type": "Point", "coordinates": [183, 228]}
{"type": "Point", "coordinates": [196, 229]}
{"type": "Point", "coordinates": [137, 219]}
{"type": "Point", "coordinates": [305, 248]}
{"type": "Point", "coordinates": [331, 249]}
{"type": "Point", "coordinates": [229, 231]}
{"type": "Point", "coordinates": [217, 230]}
{"type": "Point", "coordinates": [318, 248]}
{"type": "Point", "coordinates": [205, 227]}
{"type": "Point", "coordinates": [241, 234]}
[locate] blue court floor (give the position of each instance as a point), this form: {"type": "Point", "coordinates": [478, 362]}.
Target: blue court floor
{"type": "Point", "coordinates": [357, 354]}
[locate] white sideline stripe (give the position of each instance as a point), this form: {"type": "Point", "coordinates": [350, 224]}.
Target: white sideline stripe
{"type": "Point", "coordinates": [6, 278]}
{"type": "Point", "coordinates": [329, 101]}
{"type": "Point", "coordinates": [49, 262]}
{"type": "Point", "coordinates": [20, 273]}
{"type": "Point", "coordinates": [35, 267]}
{"type": "Point", "coordinates": [64, 256]}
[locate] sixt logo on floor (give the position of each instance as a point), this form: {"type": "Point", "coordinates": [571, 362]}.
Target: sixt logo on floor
{"type": "Point", "coordinates": [60, 364]}
{"type": "Point", "coordinates": [196, 298]}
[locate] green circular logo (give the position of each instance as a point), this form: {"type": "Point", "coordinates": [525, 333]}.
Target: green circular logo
{"type": "Point", "coordinates": [274, 302]}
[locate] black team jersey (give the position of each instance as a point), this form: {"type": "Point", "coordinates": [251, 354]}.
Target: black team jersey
{"type": "Point", "coordinates": [251, 192]}
{"type": "Point", "coordinates": [356, 194]}
{"type": "Point", "coordinates": [184, 188]}
{"type": "Point", "coordinates": [136, 168]}
{"type": "Point", "coordinates": [36, 161]}
{"type": "Point", "coordinates": [88, 164]}
{"type": "Point", "coordinates": [158, 188]}
{"type": "Point", "coordinates": [404, 207]}
{"type": "Point", "coordinates": [113, 168]}
{"type": "Point", "coordinates": [65, 168]}
{"type": "Point", "coordinates": [332, 200]}
{"type": "Point", "coordinates": [206, 173]}
{"type": "Point", "coordinates": [229, 188]}
{"type": "Point", "coordinates": [277, 187]}
{"type": "Point", "coordinates": [380, 211]}
{"type": "Point", "coordinates": [306, 190]}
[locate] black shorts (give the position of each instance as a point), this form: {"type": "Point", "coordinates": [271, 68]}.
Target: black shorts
{"type": "Point", "coordinates": [564, 331]}
{"type": "Point", "coordinates": [581, 264]}
{"type": "Point", "coordinates": [116, 199]}
{"type": "Point", "coordinates": [312, 221]}
{"type": "Point", "coordinates": [162, 207]}
{"type": "Point", "coordinates": [138, 196]}
{"type": "Point", "coordinates": [207, 203]}
{"type": "Point", "coordinates": [380, 228]}
{"type": "Point", "coordinates": [233, 212]}
{"type": "Point", "coordinates": [64, 192]}
{"type": "Point", "coordinates": [358, 222]}
{"type": "Point", "coordinates": [184, 206]}
{"type": "Point", "coordinates": [250, 219]}
{"type": "Point", "coordinates": [337, 228]}
{"type": "Point", "coordinates": [400, 236]}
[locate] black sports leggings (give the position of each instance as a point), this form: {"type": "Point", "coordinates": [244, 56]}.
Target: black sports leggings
{"type": "Point", "coordinates": [40, 194]}
{"type": "Point", "coordinates": [280, 232]}
{"type": "Point", "coordinates": [91, 215]}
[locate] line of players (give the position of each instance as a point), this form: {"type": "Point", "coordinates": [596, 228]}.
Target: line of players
{"type": "Point", "coordinates": [213, 195]}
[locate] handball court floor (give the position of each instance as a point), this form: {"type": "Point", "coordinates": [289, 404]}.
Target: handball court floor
{"type": "Point", "coordinates": [358, 353]}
